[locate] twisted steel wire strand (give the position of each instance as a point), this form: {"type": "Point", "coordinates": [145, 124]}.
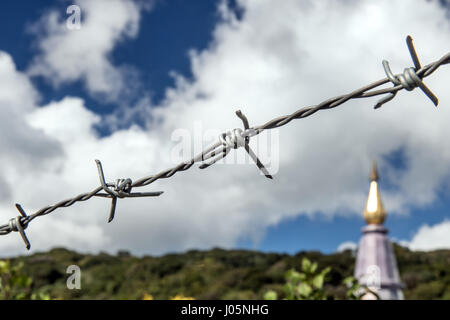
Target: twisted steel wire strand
{"type": "Point", "coordinates": [410, 79]}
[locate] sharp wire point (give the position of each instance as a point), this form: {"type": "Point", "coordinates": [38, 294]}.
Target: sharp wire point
{"type": "Point", "coordinates": [113, 209]}
{"type": "Point", "coordinates": [21, 211]}
{"type": "Point", "coordinates": [413, 53]}
{"type": "Point", "coordinates": [258, 163]}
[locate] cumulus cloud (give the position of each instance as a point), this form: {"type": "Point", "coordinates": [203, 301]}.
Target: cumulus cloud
{"type": "Point", "coordinates": [278, 57]}
{"type": "Point", "coordinates": [426, 238]}
{"type": "Point", "coordinates": [432, 237]}
{"type": "Point", "coordinates": [68, 55]}
{"type": "Point", "coordinates": [348, 245]}
{"type": "Point", "coordinates": [270, 72]}
{"type": "Point", "coordinates": [24, 148]}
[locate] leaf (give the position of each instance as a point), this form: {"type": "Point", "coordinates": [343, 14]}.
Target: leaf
{"type": "Point", "coordinates": [325, 271]}
{"type": "Point", "coordinates": [318, 281]}
{"type": "Point", "coordinates": [306, 265]}
{"type": "Point", "coordinates": [314, 267]}
{"type": "Point", "coordinates": [271, 295]}
{"type": "Point", "coordinates": [4, 266]}
{"type": "Point", "coordinates": [293, 276]}
{"type": "Point", "coordinates": [304, 289]}
{"type": "Point", "coordinates": [349, 281]}
{"type": "Point", "coordinates": [289, 291]}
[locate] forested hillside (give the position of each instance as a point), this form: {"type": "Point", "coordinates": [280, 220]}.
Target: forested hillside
{"type": "Point", "coordinates": [217, 273]}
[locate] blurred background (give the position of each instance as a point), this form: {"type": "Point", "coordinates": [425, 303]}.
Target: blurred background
{"type": "Point", "coordinates": [117, 83]}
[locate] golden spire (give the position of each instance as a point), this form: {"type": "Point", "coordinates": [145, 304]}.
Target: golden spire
{"type": "Point", "coordinates": [374, 212]}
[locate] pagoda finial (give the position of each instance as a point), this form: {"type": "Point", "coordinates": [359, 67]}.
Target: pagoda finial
{"type": "Point", "coordinates": [374, 212]}
{"type": "Point", "coordinates": [374, 173]}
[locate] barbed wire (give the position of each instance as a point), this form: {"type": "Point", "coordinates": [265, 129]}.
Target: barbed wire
{"type": "Point", "coordinates": [410, 79]}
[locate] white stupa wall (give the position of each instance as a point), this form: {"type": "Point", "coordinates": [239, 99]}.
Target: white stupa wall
{"type": "Point", "coordinates": [376, 266]}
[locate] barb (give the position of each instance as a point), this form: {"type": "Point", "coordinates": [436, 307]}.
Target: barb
{"type": "Point", "coordinates": [232, 140]}
{"type": "Point", "coordinates": [19, 224]}
{"type": "Point", "coordinates": [122, 189]}
{"type": "Point", "coordinates": [411, 78]}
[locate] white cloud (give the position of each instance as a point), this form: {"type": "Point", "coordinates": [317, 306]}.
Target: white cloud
{"type": "Point", "coordinates": [24, 148]}
{"type": "Point", "coordinates": [433, 237]}
{"type": "Point", "coordinates": [17, 89]}
{"type": "Point", "coordinates": [348, 245]}
{"type": "Point", "coordinates": [70, 55]}
{"type": "Point", "coordinates": [308, 52]}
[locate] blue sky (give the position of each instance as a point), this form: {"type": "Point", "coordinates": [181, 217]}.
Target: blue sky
{"type": "Point", "coordinates": [175, 26]}
{"type": "Point", "coordinates": [167, 32]}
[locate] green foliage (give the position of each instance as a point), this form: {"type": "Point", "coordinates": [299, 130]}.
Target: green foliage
{"type": "Point", "coordinates": [309, 285]}
{"type": "Point", "coordinates": [353, 292]}
{"type": "Point", "coordinates": [270, 295]}
{"type": "Point", "coordinates": [356, 291]}
{"type": "Point", "coordinates": [305, 285]}
{"type": "Point", "coordinates": [224, 274]}
{"type": "Point", "coordinates": [429, 290]}
{"type": "Point", "coordinates": [15, 285]}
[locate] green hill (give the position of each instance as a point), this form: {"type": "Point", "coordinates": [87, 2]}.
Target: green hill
{"type": "Point", "coordinates": [217, 273]}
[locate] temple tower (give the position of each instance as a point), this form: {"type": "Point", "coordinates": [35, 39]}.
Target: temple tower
{"type": "Point", "coordinates": [376, 266]}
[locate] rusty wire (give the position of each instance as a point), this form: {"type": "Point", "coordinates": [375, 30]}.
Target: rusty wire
{"type": "Point", "coordinates": [411, 78]}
